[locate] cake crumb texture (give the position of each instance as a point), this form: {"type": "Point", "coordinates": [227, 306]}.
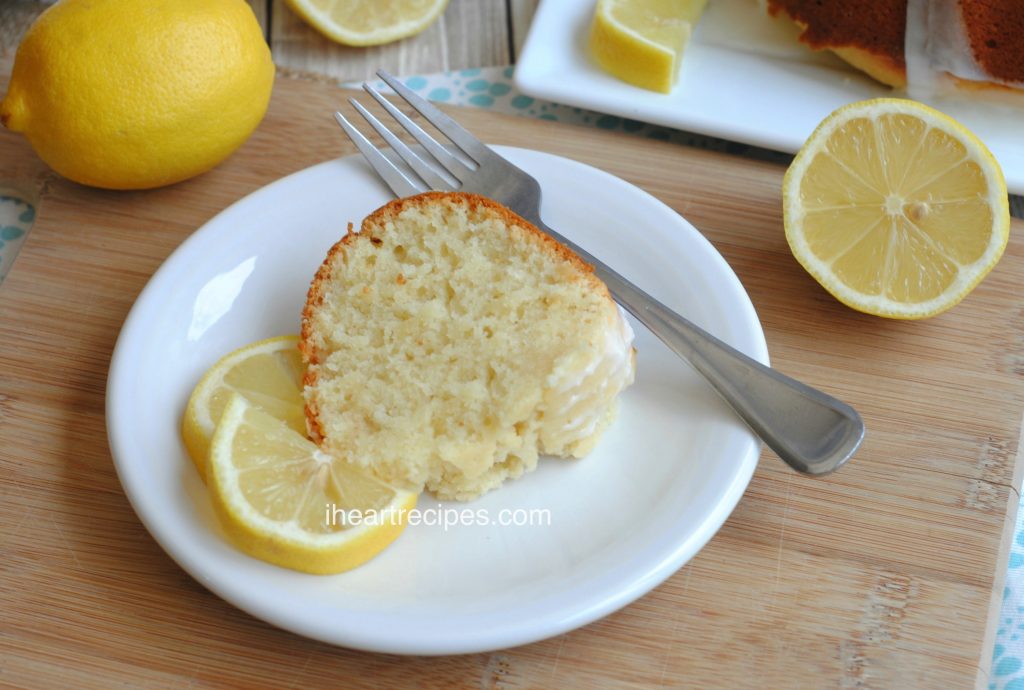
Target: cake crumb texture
{"type": "Point", "coordinates": [995, 29]}
{"type": "Point", "coordinates": [449, 343]}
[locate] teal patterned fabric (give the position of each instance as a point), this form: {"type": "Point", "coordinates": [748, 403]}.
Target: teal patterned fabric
{"type": "Point", "coordinates": [1008, 655]}
{"type": "Point", "coordinates": [16, 216]}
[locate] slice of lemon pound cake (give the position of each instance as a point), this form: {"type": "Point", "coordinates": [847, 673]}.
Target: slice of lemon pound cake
{"type": "Point", "coordinates": [449, 342]}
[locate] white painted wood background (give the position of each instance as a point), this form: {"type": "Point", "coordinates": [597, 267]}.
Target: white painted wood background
{"type": "Point", "coordinates": [470, 33]}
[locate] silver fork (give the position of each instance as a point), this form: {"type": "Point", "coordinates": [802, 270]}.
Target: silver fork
{"type": "Point", "coordinates": [811, 431]}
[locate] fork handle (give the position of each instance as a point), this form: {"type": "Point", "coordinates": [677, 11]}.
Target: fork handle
{"type": "Point", "coordinates": [811, 431]}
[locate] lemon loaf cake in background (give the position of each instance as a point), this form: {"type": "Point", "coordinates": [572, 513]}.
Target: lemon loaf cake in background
{"type": "Point", "coordinates": [867, 35]}
{"type": "Point", "coordinates": [449, 343]}
{"type": "Point", "coordinates": [970, 43]}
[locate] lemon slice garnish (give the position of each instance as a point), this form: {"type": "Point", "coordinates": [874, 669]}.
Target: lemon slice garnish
{"type": "Point", "coordinates": [282, 500]}
{"type": "Point", "coordinates": [368, 22]}
{"type": "Point", "coordinates": [268, 373]}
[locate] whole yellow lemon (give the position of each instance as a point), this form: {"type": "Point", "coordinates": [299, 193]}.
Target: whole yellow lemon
{"type": "Point", "coordinates": [133, 94]}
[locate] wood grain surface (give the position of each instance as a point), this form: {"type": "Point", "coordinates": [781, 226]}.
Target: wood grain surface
{"type": "Point", "coordinates": [887, 574]}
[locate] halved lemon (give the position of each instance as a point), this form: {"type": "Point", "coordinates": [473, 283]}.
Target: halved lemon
{"type": "Point", "coordinates": [641, 41]}
{"type": "Point", "coordinates": [368, 22]}
{"type": "Point", "coordinates": [267, 373]}
{"type": "Point", "coordinates": [283, 500]}
{"type": "Point", "coordinates": [895, 208]}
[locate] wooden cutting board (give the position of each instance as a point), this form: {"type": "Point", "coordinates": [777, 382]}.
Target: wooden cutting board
{"type": "Point", "coordinates": [887, 574]}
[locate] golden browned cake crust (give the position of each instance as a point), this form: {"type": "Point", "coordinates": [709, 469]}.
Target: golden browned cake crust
{"type": "Point", "coordinates": [869, 36]}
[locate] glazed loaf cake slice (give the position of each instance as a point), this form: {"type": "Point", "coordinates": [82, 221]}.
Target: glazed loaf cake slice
{"type": "Point", "coordinates": [920, 44]}
{"type": "Point", "coordinates": [449, 342]}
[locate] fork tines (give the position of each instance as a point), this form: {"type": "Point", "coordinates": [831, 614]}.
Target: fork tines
{"type": "Point", "coordinates": [425, 174]}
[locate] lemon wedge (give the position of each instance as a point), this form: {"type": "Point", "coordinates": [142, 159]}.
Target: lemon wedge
{"type": "Point", "coordinates": [268, 373]}
{"type": "Point", "coordinates": [641, 41]}
{"type": "Point", "coordinates": [368, 22]}
{"type": "Point", "coordinates": [284, 501]}
{"type": "Point", "coordinates": [895, 208]}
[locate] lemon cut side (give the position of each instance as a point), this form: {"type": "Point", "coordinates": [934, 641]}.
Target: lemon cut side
{"type": "Point", "coordinates": [895, 208]}
{"type": "Point", "coordinates": [641, 41]}
{"type": "Point", "coordinates": [368, 22]}
{"type": "Point", "coordinates": [282, 500]}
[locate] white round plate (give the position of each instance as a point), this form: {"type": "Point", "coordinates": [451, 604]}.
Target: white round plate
{"type": "Point", "coordinates": [606, 529]}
